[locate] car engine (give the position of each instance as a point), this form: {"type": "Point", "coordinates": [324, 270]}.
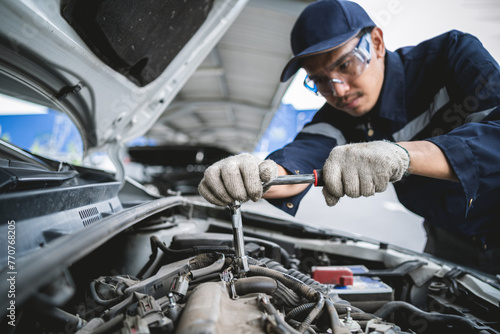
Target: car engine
{"type": "Point", "coordinates": [179, 271]}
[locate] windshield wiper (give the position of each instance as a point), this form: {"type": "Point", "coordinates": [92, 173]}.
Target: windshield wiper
{"type": "Point", "coordinates": [16, 175]}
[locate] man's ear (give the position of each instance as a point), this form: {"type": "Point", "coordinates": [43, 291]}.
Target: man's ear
{"type": "Point", "coordinates": [378, 42]}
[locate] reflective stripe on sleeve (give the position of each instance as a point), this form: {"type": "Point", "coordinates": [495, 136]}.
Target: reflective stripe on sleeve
{"type": "Point", "coordinates": [326, 130]}
{"type": "Point", "coordinates": [479, 116]}
{"type": "Point", "coordinates": [411, 129]}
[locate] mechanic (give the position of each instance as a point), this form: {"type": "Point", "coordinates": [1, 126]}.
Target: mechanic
{"type": "Point", "coordinates": [424, 118]}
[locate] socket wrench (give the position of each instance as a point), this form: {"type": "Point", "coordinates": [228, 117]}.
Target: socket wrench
{"type": "Point", "coordinates": [241, 259]}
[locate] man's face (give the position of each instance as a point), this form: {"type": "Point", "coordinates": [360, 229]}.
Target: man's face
{"type": "Point", "coordinates": [359, 95]}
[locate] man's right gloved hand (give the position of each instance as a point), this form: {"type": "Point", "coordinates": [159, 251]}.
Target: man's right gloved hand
{"type": "Point", "coordinates": [362, 169]}
{"type": "Point", "coordinates": [237, 178]}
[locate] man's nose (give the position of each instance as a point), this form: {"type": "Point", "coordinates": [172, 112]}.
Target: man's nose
{"type": "Point", "coordinates": [339, 88]}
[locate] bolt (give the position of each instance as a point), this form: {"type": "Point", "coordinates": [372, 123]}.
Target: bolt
{"type": "Point", "coordinates": [348, 317]}
{"type": "Point", "coordinates": [171, 299]}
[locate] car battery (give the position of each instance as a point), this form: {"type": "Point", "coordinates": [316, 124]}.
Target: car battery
{"type": "Point", "coordinates": [367, 293]}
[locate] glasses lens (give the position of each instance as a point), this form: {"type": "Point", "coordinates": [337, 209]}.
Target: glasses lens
{"type": "Point", "coordinates": [354, 64]}
{"type": "Point", "coordinates": [350, 68]}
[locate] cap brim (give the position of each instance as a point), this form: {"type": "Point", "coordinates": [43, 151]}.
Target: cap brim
{"type": "Point", "coordinates": [325, 46]}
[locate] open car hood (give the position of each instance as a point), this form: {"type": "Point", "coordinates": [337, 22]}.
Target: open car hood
{"type": "Point", "coordinates": [114, 73]}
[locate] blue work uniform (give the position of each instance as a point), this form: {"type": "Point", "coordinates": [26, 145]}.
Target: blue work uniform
{"type": "Point", "coordinates": [445, 90]}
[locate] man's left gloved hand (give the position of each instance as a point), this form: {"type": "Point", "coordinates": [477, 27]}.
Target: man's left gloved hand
{"type": "Point", "coordinates": [363, 169]}
{"type": "Point", "coordinates": [237, 178]}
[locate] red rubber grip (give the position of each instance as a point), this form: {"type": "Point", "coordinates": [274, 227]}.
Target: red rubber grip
{"type": "Point", "coordinates": [318, 178]}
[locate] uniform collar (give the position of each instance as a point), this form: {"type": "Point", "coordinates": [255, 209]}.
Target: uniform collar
{"type": "Point", "coordinates": [391, 103]}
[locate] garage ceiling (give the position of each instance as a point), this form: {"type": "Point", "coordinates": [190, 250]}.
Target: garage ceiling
{"type": "Point", "coordinates": [230, 100]}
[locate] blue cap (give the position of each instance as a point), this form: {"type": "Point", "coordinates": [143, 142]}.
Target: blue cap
{"type": "Point", "coordinates": [323, 26]}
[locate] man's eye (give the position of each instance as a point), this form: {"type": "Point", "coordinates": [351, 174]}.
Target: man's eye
{"type": "Point", "coordinates": [344, 67]}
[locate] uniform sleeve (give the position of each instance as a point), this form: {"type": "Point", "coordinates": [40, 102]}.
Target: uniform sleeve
{"type": "Point", "coordinates": [308, 151]}
{"type": "Point", "coordinates": [473, 75]}
{"type": "Point", "coordinates": [473, 151]}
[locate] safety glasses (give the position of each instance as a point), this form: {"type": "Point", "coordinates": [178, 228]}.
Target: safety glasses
{"type": "Point", "coordinates": [344, 70]}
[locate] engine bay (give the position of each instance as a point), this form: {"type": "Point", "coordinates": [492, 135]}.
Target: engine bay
{"type": "Point", "coordinates": [179, 271]}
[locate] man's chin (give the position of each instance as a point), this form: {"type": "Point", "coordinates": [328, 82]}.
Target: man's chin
{"type": "Point", "coordinates": [355, 108]}
{"type": "Point", "coordinates": [355, 112]}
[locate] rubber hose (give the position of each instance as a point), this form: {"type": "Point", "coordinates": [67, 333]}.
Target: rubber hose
{"type": "Point", "coordinates": [287, 296]}
{"type": "Point", "coordinates": [216, 266]}
{"type": "Point", "coordinates": [272, 264]}
{"type": "Point", "coordinates": [448, 319]}
{"type": "Point", "coordinates": [298, 286]}
{"type": "Point", "coordinates": [313, 314]}
{"type": "Point", "coordinates": [64, 317]}
{"type": "Point", "coordinates": [285, 256]}
{"type": "Point", "coordinates": [205, 260]}
{"type": "Point", "coordinates": [255, 284]}
{"type": "Point", "coordinates": [294, 284]}
{"type": "Point", "coordinates": [337, 326]}
{"type": "Point", "coordinates": [298, 310]}
{"type": "Point", "coordinates": [152, 257]}
{"type": "Point", "coordinates": [99, 300]}
{"type": "Point", "coordinates": [200, 280]}
{"type": "Point", "coordinates": [305, 278]}
{"type": "Point", "coordinates": [295, 323]}
{"type": "Point", "coordinates": [270, 286]}
{"type": "Point", "coordinates": [269, 308]}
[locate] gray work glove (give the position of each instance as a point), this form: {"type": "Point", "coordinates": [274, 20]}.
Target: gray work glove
{"type": "Point", "coordinates": [237, 178]}
{"type": "Point", "coordinates": [363, 169]}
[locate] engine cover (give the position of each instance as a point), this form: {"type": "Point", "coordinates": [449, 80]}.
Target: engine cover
{"type": "Point", "coordinates": [210, 310]}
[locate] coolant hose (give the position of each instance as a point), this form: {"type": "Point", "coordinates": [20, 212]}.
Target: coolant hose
{"type": "Point", "coordinates": [262, 284]}
{"type": "Point", "coordinates": [269, 286]}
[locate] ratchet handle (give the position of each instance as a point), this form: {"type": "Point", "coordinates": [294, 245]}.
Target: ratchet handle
{"type": "Point", "coordinates": [316, 178]}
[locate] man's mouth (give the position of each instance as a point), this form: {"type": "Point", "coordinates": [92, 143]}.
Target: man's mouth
{"type": "Point", "coordinates": [350, 103]}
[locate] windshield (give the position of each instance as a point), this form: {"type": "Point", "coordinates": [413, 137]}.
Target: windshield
{"type": "Point", "coordinates": [40, 130]}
